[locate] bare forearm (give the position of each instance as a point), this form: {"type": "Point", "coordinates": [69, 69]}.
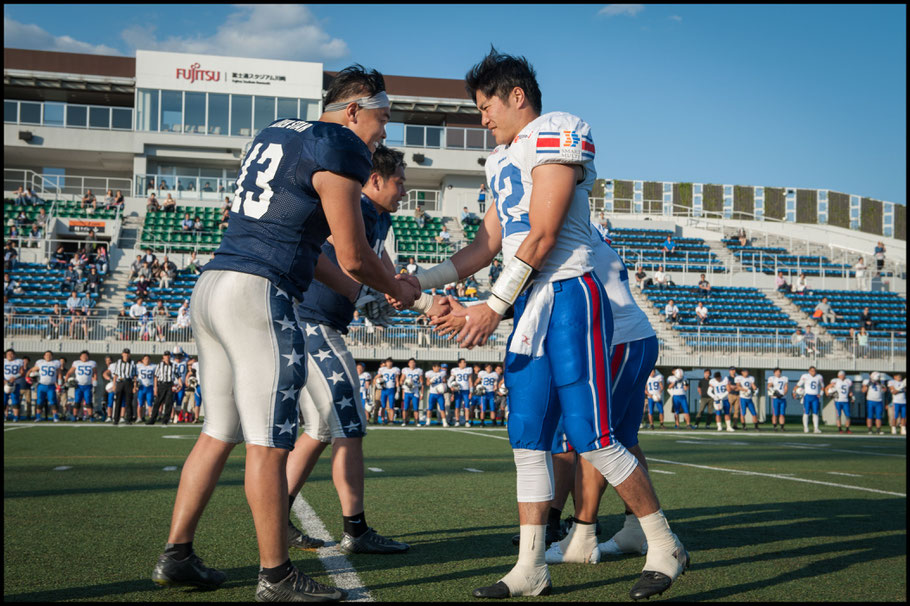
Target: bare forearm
{"type": "Point", "coordinates": [535, 248]}
{"type": "Point", "coordinates": [332, 276]}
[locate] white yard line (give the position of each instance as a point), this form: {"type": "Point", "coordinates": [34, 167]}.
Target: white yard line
{"type": "Point", "coordinates": [840, 473]}
{"type": "Point", "coordinates": [672, 473]}
{"type": "Point", "coordinates": [862, 452]}
{"type": "Point", "coordinates": [335, 563]}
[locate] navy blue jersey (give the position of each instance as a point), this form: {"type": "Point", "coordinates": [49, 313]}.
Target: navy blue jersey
{"type": "Point", "coordinates": [277, 224]}
{"type": "Point", "coordinates": [323, 305]}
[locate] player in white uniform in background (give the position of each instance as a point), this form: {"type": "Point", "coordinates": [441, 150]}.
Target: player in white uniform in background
{"type": "Point", "coordinates": [654, 390]}
{"type": "Point", "coordinates": [777, 393]}
{"type": "Point", "coordinates": [462, 375]}
{"type": "Point", "coordinates": [747, 392]}
{"type": "Point", "coordinates": [874, 388]}
{"type": "Point", "coordinates": [489, 379]}
{"type": "Point", "coordinates": [48, 374]}
{"type": "Point", "coordinates": [145, 378]}
{"type": "Point", "coordinates": [898, 388]}
{"type": "Point", "coordinates": [411, 396]}
{"type": "Point", "coordinates": [841, 390]}
{"type": "Point", "coordinates": [13, 368]}
{"type": "Point", "coordinates": [86, 372]}
{"type": "Point", "coordinates": [717, 390]}
{"type": "Point", "coordinates": [677, 388]}
{"type": "Point", "coordinates": [811, 384]}
{"type": "Point", "coordinates": [436, 386]}
{"type": "Point", "coordinates": [365, 380]}
{"type": "Point", "coordinates": [388, 374]}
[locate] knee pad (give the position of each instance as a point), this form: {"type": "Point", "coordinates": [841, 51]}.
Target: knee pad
{"type": "Point", "coordinates": [615, 462]}
{"type": "Point", "coordinates": [535, 475]}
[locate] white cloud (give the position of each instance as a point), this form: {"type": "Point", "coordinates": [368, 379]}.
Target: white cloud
{"type": "Point", "coordinates": [629, 10]}
{"type": "Point", "coordinates": [30, 36]}
{"type": "Point", "coordinates": [266, 31]}
{"type": "Point", "coordinates": [675, 17]}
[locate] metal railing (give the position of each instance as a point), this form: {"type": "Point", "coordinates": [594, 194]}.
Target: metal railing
{"type": "Point", "coordinates": [62, 187]}
{"type": "Point", "coordinates": [67, 115]}
{"type": "Point", "coordinates": [184, 187]}
{"type": "Point", "coordinates": [427, 198]}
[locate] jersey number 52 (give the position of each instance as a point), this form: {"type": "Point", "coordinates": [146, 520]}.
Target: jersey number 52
{"type": "Point", "coordinates": [256, 205]}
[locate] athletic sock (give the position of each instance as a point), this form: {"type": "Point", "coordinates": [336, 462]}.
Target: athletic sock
{"type": "Point", "coordinates": [729, 426]}
{"type": "Point", "coordinates": [580, 544]}
{"type": "Point", "coordinates": [355, 525]}
{"type": "Point", "coordinates": [553, 518]}
{"type": "Point", "coordinates": [815, 421]}
{"type": "Point", "coordinates": [530, 575]}
{"type": "Point", "coordinates": [291, 498]}
{"type": "Point", "coordinates": [661, 544]}
{"type": "Point", "coordinates": [278, 573]}
{"type": "Point", "coordinates": [179, 551]}
{"type": "Point", "coordinates": [806, 422]}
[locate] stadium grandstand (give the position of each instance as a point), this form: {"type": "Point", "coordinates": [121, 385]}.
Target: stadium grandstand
{"type": "Point", "coordinates": [112, 163]}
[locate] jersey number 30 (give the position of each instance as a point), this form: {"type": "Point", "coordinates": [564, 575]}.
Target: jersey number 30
{"type": "Point", "coordinates": [256, 205]}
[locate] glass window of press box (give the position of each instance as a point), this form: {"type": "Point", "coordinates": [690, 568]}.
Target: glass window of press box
{"type": "Point", "coordinates": [216, 113]}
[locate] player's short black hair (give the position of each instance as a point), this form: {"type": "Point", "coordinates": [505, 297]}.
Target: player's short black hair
{"type": "Point", "coordinates": [776, 369]}
{"type": "Point", "coordinates": [411, 360]}
{"type": "Point", "coordinates": [499, 73]}
{"type": "Point", "coordinates": [812, 368]}
{"type": "Point", "coordinates": [386, 161]}
{"type": "Point", "coordinates": [387, 360]}
{"type": "Point", "coordinates": [708, 370]}
{"type": "Point", "coordinates": [717, 375]}
{"type": "Point", "coordinates": [460, 360]}
{"type": "Point", "coordinates": [353, 82]}
{"type": "Point", "coordinates": [8, 350]}
{"type": "Point", "coordinates": [84, 351]}
{"type": "Point", "coordinates": [48, 352]}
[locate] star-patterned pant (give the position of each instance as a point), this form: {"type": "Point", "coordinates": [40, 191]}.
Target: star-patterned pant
{"type": "Point", "coordinates": [253, 355]}
{"type": "Point", "coordinates": [330, 404]}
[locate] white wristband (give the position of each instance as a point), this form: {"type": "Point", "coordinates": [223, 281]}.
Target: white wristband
{"type": "Point", "coordinates": [438, 275]}
{"type": "Point", "coordinates": [423, 303]}
{"type": "Point", "coordinates": [497, 305]}
{"type": "Point", "coordinates": [511, 282]}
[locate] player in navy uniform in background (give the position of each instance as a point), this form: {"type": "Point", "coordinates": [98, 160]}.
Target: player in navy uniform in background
{"type": "Point", "coordinates": [299, 182]}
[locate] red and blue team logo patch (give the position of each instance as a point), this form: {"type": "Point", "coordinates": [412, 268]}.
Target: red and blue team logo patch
{"type": "Point", "coordinates": [568, 142]}
{"type": "Point", "coordinates": [548, 142]}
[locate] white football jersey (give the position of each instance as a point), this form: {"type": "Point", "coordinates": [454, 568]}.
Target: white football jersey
{"type": "Point", "coordinates": [876, 391]}
{"type": "Point", "coordinates": [84, 371]}
{"type": "Point", "coordinates": [630, 323]}
{"type": "Point", "coordinates": [12, 368]}
{"type": "Point", "coordinates": [654, 386]}
{"type": "Point", "coordinates": [812, 385]}
{"type": "Point", "coordinates": [463, 376]}
{"type": "Point", "coordinates": [435, 377]}
{"type": "Point", "coordinates": [676, 387]}
{"type": "Point", "coordinates": [48, 371]}
{"type": "Point", "coordinates": [778, 384]}
{"type": "Point", "coordinates": [719, 388]}
{"type": "Point", "coordinates": [842, 389]}
{"type": "Point", "coordinates": [553, 138]}
{"type": "Point", "coordinates": [747, 383]}
{"type": "Point", "coordinates": [901, 386]}
{"type": "Point", "coordinates": [414, 375]}
{"type": "Point", "coordinates": [389, 376]}
{"type": "Point", "coordinates": [489, 380]}
{"type": "Point", "coordinates": [146, 374]}
{"type": "Point", "coordinates": [365, 378]}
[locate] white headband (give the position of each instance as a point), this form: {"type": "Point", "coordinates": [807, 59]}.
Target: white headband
{"type": "Point", "coordinates": [380, 99]}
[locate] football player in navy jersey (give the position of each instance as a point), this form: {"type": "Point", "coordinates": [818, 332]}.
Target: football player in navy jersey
{"type": "Point", "coordinates": [299, 182]}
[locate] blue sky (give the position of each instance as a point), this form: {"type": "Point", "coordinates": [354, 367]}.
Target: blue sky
{"type": "Point", "coordinates": [805, 96]}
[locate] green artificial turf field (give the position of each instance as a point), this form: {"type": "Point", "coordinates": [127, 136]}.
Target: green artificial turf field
{"type": "Point", "coordinates": [93, 530]}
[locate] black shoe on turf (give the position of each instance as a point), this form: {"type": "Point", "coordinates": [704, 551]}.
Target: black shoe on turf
{"type": "Point", "coordinates": [500, 591]}
{"type": "Point", "coordinates": [297, 587]}
{"type": "Point", "coordinates": [190, 571]}
{"type": "Point", "coordinates": [301, 541]}
{"type": "Point", "coordinates": [652, 582]}
{"type": "Point", "coordinates": [371, 542]}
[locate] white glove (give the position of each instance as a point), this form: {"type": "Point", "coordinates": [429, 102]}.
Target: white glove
{"type": "Point", "coordinates": [718, 406]}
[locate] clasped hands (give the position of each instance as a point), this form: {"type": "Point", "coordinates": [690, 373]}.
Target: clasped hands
{"type": "Point", "coordinates": [471, 326]}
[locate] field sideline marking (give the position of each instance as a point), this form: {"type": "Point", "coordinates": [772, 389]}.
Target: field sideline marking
{"type": "Point", "coordinates": [780, 477]}
{"type": "Point", "coordinates": [863, 452]}
{"type": "Point", "coordinates": [335, 563]}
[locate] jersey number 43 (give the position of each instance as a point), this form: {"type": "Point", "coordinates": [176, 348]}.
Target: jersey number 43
{"type": "Point", "coordinates": [255, 205]}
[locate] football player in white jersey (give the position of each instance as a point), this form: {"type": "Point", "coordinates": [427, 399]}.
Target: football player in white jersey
{"type": "Point", "coordinates": [746, 385]}
{"type": "Point", "coordinates": [13, 368]}
{"type": "Point", "coordinates": [874, 388]}
{"type": "Point", "coordinates": [677, 388]}
{"type": "Point", "coordinates": [365, 379]}
{"type": "Point", "coordinates": [388, 374]}
{"type": "Point", "coordinates": [108, 388]}
{"type": "Point", "coordinates": [898, 388]}
{"type": "Point", "coordinates": [502, 397]}
{"type": "Point", "coordinates": [487, 401]}
{"type": "Point", "coordinates": [718, 390]}
{"type": "Point", "coordinates": [145, 392]}
{"type": "Point", "coordinates": [811, 384]}
{"type": "Point", "coordinates": [541, 175]}
{"type": "Point", "coordinates": [461, 391]}
{"type": "Point", "coordinates": [841, 391]}
{"type": "Point", "coordinates": [777, 392]}
{"type": "Point", "coordinates": [86, 372]}
{"type": "Point", "coordinates": [411, 396]}
{"type": "Point", "coordinates": [48, 372]}
{"type": "Point", "coordinates": [654, 390]}
{"type": "Point", "coordinates": [436, 385]}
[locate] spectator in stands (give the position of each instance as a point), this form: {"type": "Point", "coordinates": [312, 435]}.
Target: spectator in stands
{"type": "Point", "coordinates": [161, 322]}
{"type": "Point", "coordinates": [56, 322]}
{"type": "Point", "coordinates": [225, 217]}
{"type": "Point", "coordinates": [482, 198]}
{"type": "Point", "coordinates": [642, 280]}
{"type": "Point", "coordinates": [163, 186]}
{"type": "Point", "coordinates": [138, 309]}
{"type": "Point", "coordinates": [668, 245]}
{"type": "Point", "coordinates": [879, 256]}
{"type": "Point", "coordinates": [701, 314]}
{"type": "Point", "coordinates": [22, 219]}
{"type": "Point", "coordinates": [93, 280]}
{"type": "Point", "coordinates": [420, 217]}
{"type": "Point", "coordinates": [179, 185]}
{"type": "Point", "coordinates": [412, 266]}
{"type": "Point", "coordinates": [151, 205]}
{"type": "Point", "coordinates": [862, 341]}
{"type": "Point", "coordinates": [459, 289]}
{"type": "Point", "coordinates": [469, 218]}
{"type": "Point", "coordinates": [168, 273]}
{"type": "Point", "coordinates": [123, 325]}
{"type": "Point", "coordinates": [860, 268]}
{"type": "Point", "coordinates": [73, 302]}
{"type": "Point", "coordinates": [109, 200]}
{"type": "Point", "coordinates": [78, 315]}
{"type": "Point", "coordinates": [193, 265]}
{"type": "Point", "coordinates": [811, 340]}
{"type": "Point", "coordinates": [169, 205]}
{"type": "Point", "coordinates": [495, 270]}
{"type": "Point", "coordinates": [865, 319]}
{"type": "Point", "coordinates": [798, 340]}
{"type": "Point", "coordinates": [183, 316]}
{"type": "Point", "coordinates": [8, 284]}
{"type": "Point", "coordinates": [227, 204]}
{"type": "Point", "coordinates": [741, 236]}
{"type": "Point", "coordinates": [197, 224]}
{"type": "Point", "coordinates": [192, 185]}
{"type": "Point", "coordinates": [89, 200]}
{"type": "Point", "coordinates": [135, 266]}
{"type": "Point", "coordinates": [142, 285]}
{"type": "Point", "coordinates": [444, 236]}
{"type": "Point", "coordinates": [780, 282]}
{"type": "Point", "coordinates": [10, 256]}
{"type": "Point", "coordinates": [70, 278]}
{"type": "Point", "coordinates": [187, 223]}
{"type": "Point", "coordinates": [671, 312]}
{"type": "Point", "coordinates": [661, 278]}
{"type": "Point", "coordinates": [207, 186]}
{"type": "Point", "coordinates": [449, 289]}
{"type": "Point", "coordinates": [150, 186]}
{"type": "Point", "coordinates": [9, 310]}
{"type": "Point", "coordinates": [20, 197]}
{"type": "Point", "coordinates": [32, 198]}
{"type": "Point", "coordinates": [101, 260]}
{"type": "Point", "coordinates": [144, 273]}
{"type": "Point", "coordinates": [824, 312]}
{"type": "Point", "coordinates": [470, 286]}
{"type": "Point", "coordinates": [704, 287]}
{"type": "Point", "coordinates": [35, 234]}
{"type": "Point", "coordinates": [802, 285]}
{"type": "Point", "coordinates": [14, 234]}
{"type": "Point", "coordinates": [150, 258]}
{"type": "Point", "coordinates": [119, 202]}
{"type": "Point", "coordinates": [41, 218]}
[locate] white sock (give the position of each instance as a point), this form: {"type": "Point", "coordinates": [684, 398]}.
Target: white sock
{"type": "Point", "coordinates": [661, 544]}
{"type": "Point", "coordinates": [728, 424]}
{"type": "Point", "coordinates": [806, 422]}
{"type": "Point", "coordinates": [629, 539]}
{"type": "Point", "coordinates": [719, 428]}
{"type": "Point", "coordinates": [580, 545]}
{"type": "Point", "coordinates": [815, 420]}
{"type": "Point", "coordinates": [530, 575]}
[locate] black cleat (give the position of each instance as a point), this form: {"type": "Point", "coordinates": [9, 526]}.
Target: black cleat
{"type": "Point", "coordinates": [301, 541]}
{"type": "Point", "coordinates": [500, 591]}
{"type": "Point", "coordinates": [371, 542]}
{"type": "Point", "coordinates": [191, 571]}
{"type": "Point", "coordinates": [297, 587]}
{"type": "Point", "coordinates": [652, 582]}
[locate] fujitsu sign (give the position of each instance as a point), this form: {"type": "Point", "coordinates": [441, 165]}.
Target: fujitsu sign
{"type": "Point", "coordinates": [194, 73]}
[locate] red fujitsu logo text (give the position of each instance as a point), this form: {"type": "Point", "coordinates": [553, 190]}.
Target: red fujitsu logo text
{"type": "Point", "coordinates": [194, 73]}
